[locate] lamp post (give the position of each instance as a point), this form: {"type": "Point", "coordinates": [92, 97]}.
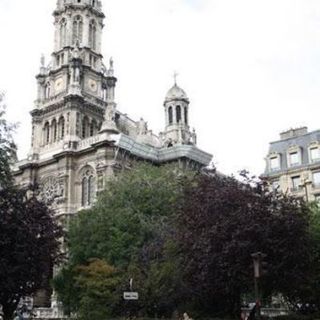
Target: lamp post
{"type": "Point", "coordinates": [257, 259]}
{"type": "Point", "coordinates": [304, 185]}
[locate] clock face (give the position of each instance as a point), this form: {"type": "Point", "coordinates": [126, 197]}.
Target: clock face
{"type": "Point", "coordinates": [93, 85]}
{"type": "Point", "coordinates": [58, 85]}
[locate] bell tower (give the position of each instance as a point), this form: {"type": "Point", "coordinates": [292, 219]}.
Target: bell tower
{"type": "Point", "coordinates": [176, 108]}
{"type": "Point", "coordinates": [76, 89]}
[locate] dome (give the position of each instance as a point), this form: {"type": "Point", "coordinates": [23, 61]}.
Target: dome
{"type": "Point", "coordinates": [176, 93]}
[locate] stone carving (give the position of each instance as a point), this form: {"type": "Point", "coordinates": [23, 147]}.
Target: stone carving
{"type": "Point", "coordinates": [50, 190]}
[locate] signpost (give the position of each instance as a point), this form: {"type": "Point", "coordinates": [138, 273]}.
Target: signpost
{"type": "Point", "coordinates": [130, 295]}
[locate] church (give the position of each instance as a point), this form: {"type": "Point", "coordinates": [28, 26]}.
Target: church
{"type": "Point", "coordinates": [79, 137]}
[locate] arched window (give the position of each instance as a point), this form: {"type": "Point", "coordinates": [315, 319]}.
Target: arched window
{"type": "Point", "coordinates": [85, 127]}
{"type": "Point", "coordinates": [54, 130]}
{"type": "Point", "coordinates": [47, 90]}
{"type": "Point", "coordinates": [77, 30]}
{"type": "Point", "coordinates": [88, 187]}
{"type": "Point", "coordinates": [170, 115]}
{"type": "Point", "coordinates": [84, 191]}
{"type": "Point", "coordinates": [61, 127]}
{"type": "Point", "coordinates": [63, 30]}
{"type": "Point", "coordinates": [92, 35]}
{"type": "Point", "coordinates": [46, 133]}
{"type": "Point", "coordinates": [91, 189]}
{"type": "Point", "coordinates": [93, 3]}
{"type": "Point", "coordinates": [186, 115]}
{"type": "Point", "coordinates": [178, 113]}
{"type": "Point", "coordinates": [93, 128]}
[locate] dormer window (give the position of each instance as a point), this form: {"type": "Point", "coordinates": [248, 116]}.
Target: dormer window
{"type": "Point", "coordinates": [294, 158]}
{"type": "Point", "coordinates": [274, 163]}
{"type": "Point", "coordinates": [314, 154]}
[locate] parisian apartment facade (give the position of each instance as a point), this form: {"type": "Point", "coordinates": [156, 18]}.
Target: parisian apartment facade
{"type": "Point", "coordinates": [293, 163]}
{"type": "Point", "coordinates": [80, 139]}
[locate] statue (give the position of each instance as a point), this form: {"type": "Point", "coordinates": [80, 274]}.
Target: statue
{"type": "Point", "coordinates": [76, 50]}
{"type": "Point", "coordinates": [103, 69]}
{"type": "Point", "coordinates": [77, 74]}
{"type": "Point", "coordinates": [194, 137]}
{"type": "Point", "coordinates": [142, 127]}
{"type": "Point", "coordinates": [110, 113]}
{"type": "Point", "coordinates": [111, 70]}
{"type": "Point", "coordinates": [42, 61]}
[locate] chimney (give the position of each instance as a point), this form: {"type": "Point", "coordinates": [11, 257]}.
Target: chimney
{"type": "Point", "coordinates": [291, 133]}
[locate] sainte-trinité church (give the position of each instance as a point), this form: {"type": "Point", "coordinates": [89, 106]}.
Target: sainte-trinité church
{"type": "Point", "coordinates": [79, 137]}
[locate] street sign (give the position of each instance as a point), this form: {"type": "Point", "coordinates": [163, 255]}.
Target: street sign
{"type": "Point", "coordinates": [130, 295]}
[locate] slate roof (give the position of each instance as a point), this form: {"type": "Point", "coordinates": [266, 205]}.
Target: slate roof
{"type": "Point", "coordinates": [281, 147]}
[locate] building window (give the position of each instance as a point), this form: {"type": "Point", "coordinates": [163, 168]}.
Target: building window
{"type": "Point", "coordinates": [85, 126]}
{"type": "Point", "coordinates": [92, 35]}
{"type": "Point", "coordinates": [178, 113]}
{"type": "Point", "coordinates": [61, 125]}
{"type": "Point", "coordinates": [275, 185]}
{"type": "Point", "coordinates": [294, 158]}
{"type": "Point", "coordinates": [317, 198]}
{"type": "Point", "coordinates": [47, 90]}
{"type": "Point", "coordinates": [87, 188]}
{"type": "Point", "coordinates": [93, 128]}
{"type": "Point", "coordinates": [170, 115]}
{"type": "Point", "coordinates": [77, 30]}
{"type": "Point", "coordinates": [316, 179]}
{"type": "Point", "coordinates": [54, 130]}
{"type": "Point", "coordinates": [274, 163]}
{"type": "Point", "coordinates": [186, 115]}
{"type": "Point", "coordinates": [63, 28]}
{"type": "Point", "coordinates": [47, 133]}
{"type": "Point", "coordinates": [314, 154]}
{"type": "Point", "coordinates": [296, 182]}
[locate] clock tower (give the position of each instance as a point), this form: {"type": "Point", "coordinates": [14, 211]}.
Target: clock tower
{"type": "Point", "coordinates": [75, 88]}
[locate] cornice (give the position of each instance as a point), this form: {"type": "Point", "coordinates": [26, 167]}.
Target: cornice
{"type": "Point", "coordinates": [82, 7]}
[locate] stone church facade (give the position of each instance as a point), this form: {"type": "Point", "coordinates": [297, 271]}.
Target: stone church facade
{"type": "Point", "coordinates": [79, 137]}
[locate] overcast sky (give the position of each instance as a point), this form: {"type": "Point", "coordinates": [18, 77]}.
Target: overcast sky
{"type": "Point", "coordinates": [251, 68]}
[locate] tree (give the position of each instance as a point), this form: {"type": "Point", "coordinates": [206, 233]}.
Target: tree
{"type": "Point", "coordinates": [129, 228]}
{"type": "Point", "coordinates": [7, 146]}
{"type": "Point", "coordinates": [221, 223]}
{"type": "Point", "coordinates": [29, 235]}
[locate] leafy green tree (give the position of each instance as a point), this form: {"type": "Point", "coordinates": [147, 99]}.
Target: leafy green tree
{"type": "Point", "coordinates": [7, 146]}
{"type": "Point", "coordinates": [221, 223]}
{"type": "Point", "coordinates": [129, 228]}
{"type": "Point", "coordinates": [29, 235]}
{"type": "Point", "coordinates": [97, 283]}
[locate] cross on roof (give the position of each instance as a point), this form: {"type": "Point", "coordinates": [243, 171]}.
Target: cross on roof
{"type": "Point", "coordinates": [175, 75]}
